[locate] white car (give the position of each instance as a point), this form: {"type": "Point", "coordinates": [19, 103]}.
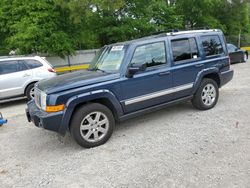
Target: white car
{"type": "Point", "coordinates": [18, 75]}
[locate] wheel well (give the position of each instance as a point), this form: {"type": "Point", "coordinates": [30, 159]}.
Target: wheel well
{"type": "Point", "coordinates": [28, 86]}
{"type": "Point", "coordinates": [102, 101]}
{"type": "Point", "coordinates": [214, 77]}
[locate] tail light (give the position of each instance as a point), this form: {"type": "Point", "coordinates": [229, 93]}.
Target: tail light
{"type": "Point", "coordinates": [51, 70]}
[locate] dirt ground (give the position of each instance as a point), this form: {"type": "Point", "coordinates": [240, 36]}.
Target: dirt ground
{"type": "Point", "coordinates": [175, 147]}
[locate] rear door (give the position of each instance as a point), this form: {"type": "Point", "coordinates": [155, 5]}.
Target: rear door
{"type": "Point", "coordinates": [186, 60]}
{"type": "Point", "coordinates": [13, 77]}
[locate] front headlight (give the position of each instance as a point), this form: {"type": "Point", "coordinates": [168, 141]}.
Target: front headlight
{"type": "Point", "coordinates": [43, 100]}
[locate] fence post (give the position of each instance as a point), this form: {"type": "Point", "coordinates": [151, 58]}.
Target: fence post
{"type": "Point", "coordinates": [68, 61]}
{"type": "Point", "coordinates": [239, 42]}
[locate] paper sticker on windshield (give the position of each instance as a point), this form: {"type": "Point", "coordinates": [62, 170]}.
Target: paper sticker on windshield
{"type": "Point", "coordinates": [117, 48]}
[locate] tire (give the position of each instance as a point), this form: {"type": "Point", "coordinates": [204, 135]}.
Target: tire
{"type": "Point", "coordinates": [29, 92]}
{"type": "Point", "coordinates": [89, 130]}
{"type": "Point", "coordinates": [207, 95]}
{"type": "Point", "coordinates": [244, 58]}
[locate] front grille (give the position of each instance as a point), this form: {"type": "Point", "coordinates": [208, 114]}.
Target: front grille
{"type": "Point", "coordinates": [38, 97]}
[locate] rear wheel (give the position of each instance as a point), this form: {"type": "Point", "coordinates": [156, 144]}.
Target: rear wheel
{"type": "Point", "coordinates": [244, 57]}
{"type": "Point", "coordinates": [30, 91]}
{"type": "Point", "coordinates": [92, 125]}
{"type": "Point", "coordinates": [207, 95]}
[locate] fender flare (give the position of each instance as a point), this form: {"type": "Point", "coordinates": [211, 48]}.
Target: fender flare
{"type": "Point", "coordinates": [74, 101]}
{"type": "Point", "coordinates": [201, 75]}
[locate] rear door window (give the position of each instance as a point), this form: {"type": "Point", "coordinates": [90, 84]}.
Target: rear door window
{"type": "Point", "coordinates": [7, 67]}
{"type": "Point", "coordinates": [212, 45]}
{"type": "Point", "coordinates": [184, 49]}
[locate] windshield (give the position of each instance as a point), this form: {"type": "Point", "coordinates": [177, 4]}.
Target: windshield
{"type": "Point", "coordinates": [109, 58]}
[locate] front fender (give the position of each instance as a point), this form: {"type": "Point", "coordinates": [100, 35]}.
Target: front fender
{"type": "Point", "coordinates": [86, 97]}
{"type": "Point", "coordinates": [201, 75]}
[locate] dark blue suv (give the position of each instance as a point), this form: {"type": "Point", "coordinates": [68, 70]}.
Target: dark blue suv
{"type": "Point", "coordinates": [131, 78]}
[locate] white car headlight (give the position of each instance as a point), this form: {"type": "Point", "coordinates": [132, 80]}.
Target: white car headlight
{"type": "Point", "coordinates": [43, 100]}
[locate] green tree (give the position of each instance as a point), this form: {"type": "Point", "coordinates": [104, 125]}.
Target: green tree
{"type": "Point", "coordinates": [35, 27]}
{"type": "Point", "coordinates": [109, 21]}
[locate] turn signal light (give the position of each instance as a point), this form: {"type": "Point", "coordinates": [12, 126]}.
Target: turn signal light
{"type": "Point", "coordinates": [56, 108]}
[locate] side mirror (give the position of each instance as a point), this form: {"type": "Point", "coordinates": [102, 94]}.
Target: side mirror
{"type": "Point", "coordinates": [237, 49]}
{"type": "Point", "coordinates": [132, 70]}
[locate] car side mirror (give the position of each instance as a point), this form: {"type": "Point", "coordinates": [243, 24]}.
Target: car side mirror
{"type": "Point", "coordinates": [132, 70]}
{"type": "Point", "coordinates": [237, 49]}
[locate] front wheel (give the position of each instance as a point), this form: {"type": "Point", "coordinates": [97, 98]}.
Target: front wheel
{"type": "Point", "coordinates": [92, 125]}
{"type": "Point", "coordinates": [207, 95]}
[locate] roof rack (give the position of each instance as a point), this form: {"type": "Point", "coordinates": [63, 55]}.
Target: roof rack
{"type": "Point", "coordinates": [192, 31]}
{"type": "Point", "coordinates": [177, 32]}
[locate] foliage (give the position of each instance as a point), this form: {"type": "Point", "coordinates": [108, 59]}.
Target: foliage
{"type": "Point", "coordinates": [62, 26]}
{"type": "Point", "coordinates": [34, 26]}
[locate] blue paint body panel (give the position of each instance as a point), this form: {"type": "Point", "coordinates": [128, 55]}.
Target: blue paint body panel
{"type": "Point", "coordinates": [152, 89]}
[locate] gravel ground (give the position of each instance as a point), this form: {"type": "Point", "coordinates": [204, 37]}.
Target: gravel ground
{"type": "Point", "coordinates": [175, 147]}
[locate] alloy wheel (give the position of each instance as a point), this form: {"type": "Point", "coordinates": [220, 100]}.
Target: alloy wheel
{"type": "Point", "coordinates": [94, 126]}
{"type": "Point", "coordinates": [208, 95]}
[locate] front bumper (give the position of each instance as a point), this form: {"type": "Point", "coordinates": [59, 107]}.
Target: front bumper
{"type": "Point", "coordinates": [42, 119]}
{"type": "Point", "coordinates": [226, 76]}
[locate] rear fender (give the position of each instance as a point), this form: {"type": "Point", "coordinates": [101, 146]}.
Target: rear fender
{"type": "Point", "coordinates": [201, 75]}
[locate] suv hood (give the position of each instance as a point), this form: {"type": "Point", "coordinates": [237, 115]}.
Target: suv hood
{"type": "Point", "coordinates": [74, 80]}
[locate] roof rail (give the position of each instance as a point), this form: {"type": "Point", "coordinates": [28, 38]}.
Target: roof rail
{"type": "Point", "coordinates": [192, 31]}
{"type": "Point", "coordinates": [16, 56]}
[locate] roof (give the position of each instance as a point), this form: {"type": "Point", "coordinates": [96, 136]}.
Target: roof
{"type": "Point", "coordinates": [2, 58]}
{"type": "Point", "coordinates": [174, 33]}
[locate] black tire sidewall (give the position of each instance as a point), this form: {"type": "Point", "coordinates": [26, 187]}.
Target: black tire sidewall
{"type": "Point", "coordinates": [197, 100]}
{"type": "Point", "coordinates": [28, 89]}
{"type": "Point", "coordinates": [77, 118]}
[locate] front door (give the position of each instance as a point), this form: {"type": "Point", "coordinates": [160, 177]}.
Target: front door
{"type": "Point", "coordinates": [152, 86]}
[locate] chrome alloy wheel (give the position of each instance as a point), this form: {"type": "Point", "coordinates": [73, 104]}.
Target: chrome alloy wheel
{"type": "Point", "coordinates": [208, 95]}
{"type": "Point", "coordinates": [94, 126]}
{"type": "Point", "coordinates": [32, 93]}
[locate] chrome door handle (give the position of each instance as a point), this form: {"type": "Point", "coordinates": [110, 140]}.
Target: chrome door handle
{"type": "Point", "coordinates": [199, 65]}
{"type": "Point", "coordinates": [164, 73]}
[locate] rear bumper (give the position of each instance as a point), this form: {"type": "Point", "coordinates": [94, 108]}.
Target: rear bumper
{"type": "Point", "coordinates": [226, 76]}
{"type": "Point", "coordinates": [49, 121]}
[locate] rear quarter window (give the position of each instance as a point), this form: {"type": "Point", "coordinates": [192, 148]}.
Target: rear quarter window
{"type": "Point", "coordinates": [32, 64]}
{"type": "Point", "coordinates": [212, 45]}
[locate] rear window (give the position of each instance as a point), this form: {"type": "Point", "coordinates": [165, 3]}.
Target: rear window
{"type": "Point", "coordinates": [212, 45]}
{"type": "Point", "coordinates": [184, 49]}
{"type": "Point", "coordinates": [7, 67]}
{"type": "Point", "coordinates": [231, 48]}
{"type": "Point", "coordinates": [32, 64]}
